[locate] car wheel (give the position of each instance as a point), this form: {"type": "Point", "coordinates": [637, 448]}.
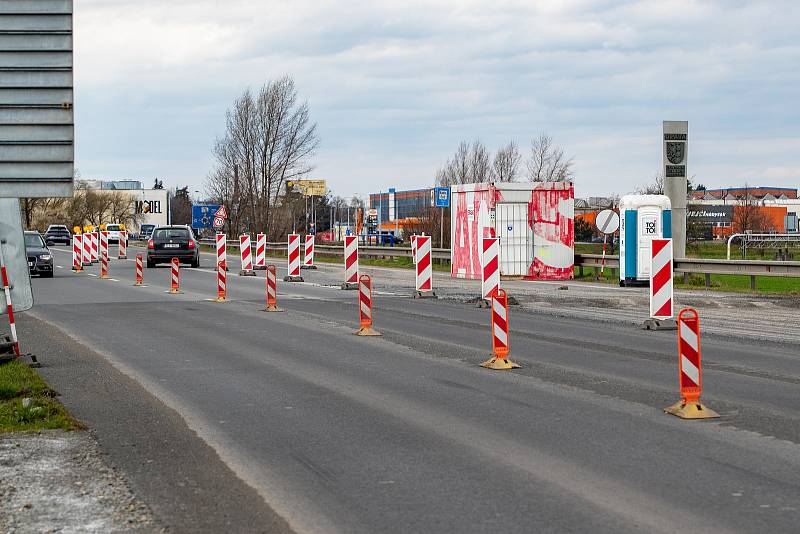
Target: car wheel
{"type": "Point", "coordinates": [150, 264]}
{"type": "Point", "coordinates": [196, 263]}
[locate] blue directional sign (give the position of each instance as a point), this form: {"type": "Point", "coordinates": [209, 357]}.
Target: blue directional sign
{"type": "Point", "coordinates": [203, 215]}
{"type": "Point", "coordinates": [442, 196]}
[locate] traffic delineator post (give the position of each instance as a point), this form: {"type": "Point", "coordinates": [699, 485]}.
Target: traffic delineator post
{"type": "Point", "coordinates": [175, 276]}
{"type": "Point", "coordinates": [246, 256]}
{"type": "Point", "coordinates": [222, 247]}
{"type": "Point", "coordinates": [272, 289]}
{"type": "Point", "coordinates": [94, 243]}
{"type": "Point", "coordinates": [365, 307]}
{"type": "Point", "coordinates": [423, 268]}
{"type": "Point", "coordinates": [690, 374]}
{"type": "Point", "coordinates": [414, 249]}
{"type": "Point", "coordinates": [139, 271]}
{"type": "Point", "coordinates": [261, 252]}
{"type": "Point", "coordinates": [104, 265]}
{"type": "Point", "coordinates": [499, 325]}
{"type": "Point", "coordinates": [86, 257]}
{"type": "Point", "coordinates": [490, 270]}
{"type": "Point", "coordinates": [222, 283]}
{"type": "Point", "coordinates": [122, 245]}
{"type": "Point", "coordinates": [9, 305]}
{"type": "Point", "coordinates": [350, 262]}
{"type": "Point", "coordinates": [662, 316]}
{"type": "Point", "coordinates": [293, 259]}
{"type": "Point", "coordinates": [103, 244]}
{"type": "Point", "coordinates": [308, 253]}
{"type": "Point", "coordinates": [77, 253]}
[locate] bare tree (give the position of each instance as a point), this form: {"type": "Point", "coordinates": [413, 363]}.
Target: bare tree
{"type": "Point", "coordinates": [470, 164]}
{"type": "Point", "coordinates": [748, 215]}
{"type": "Point", "coordinates": [547, 162]}
{"type": "Point", "coordinates": [656, 187]}
{"type": "Point", "coordinates": [506, 163]}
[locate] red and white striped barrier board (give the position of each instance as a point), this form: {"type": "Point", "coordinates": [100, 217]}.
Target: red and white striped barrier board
{"type": "Point", "coordinates": [103, 243]}
{"type": "Point", "coordinates": [77, 252]}
{"type": "Point", "coordinates": [414, 249]}
{"type": "Point", "coordinates": [94, 242]}
{"type": "Point", "coordinates": [9, 306]}
{"type": "Point", "coordinates": [500, 343]}
{"type": "Point", "coordinates": [175, 276]}
{"type": "Point", "coordinates": [490, 266]}
{"type": "Point", "coordinates": [122, 245]}
{"type": "Point", "coordinates": [293, 259]}
{"type": "Point", "coordinates": [86, 258]}
{"type": "Point", "coordinates": [104, 265]}
{"type": "Point", "coordinates": [308, 258]}
{"type": "Point", "coordinates": [365, 307]}
{"type": "Point", "coordinates": [661, 279]}
{"type": "Point", "coordinates": [272, 289]}
{"type": "Point", "coordinates": [424, 269]}
{"type": "Point", "coordinates": [261, 251]}
{"type": "Point", "coordinates": [222, 255]}
{"type": "Point", "coordinates": [139, 270]}
{"type": "Point", "coordinates": [222, 282]}
{"type": "Point", "coordinates": [350, 260]}
{"type": "Point", "coordinates": [690, 371]}
{"type": "Point", "coordinates": [246, 255]}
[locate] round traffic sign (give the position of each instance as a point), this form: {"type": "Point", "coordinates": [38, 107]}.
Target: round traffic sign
{"type": "Point", "coordinates": [607, 221]}
{"type": "Point", "coordinates": [219, 222]}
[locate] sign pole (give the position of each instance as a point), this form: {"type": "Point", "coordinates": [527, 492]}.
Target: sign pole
{"type": "Point", "coordinates": [603, 261]}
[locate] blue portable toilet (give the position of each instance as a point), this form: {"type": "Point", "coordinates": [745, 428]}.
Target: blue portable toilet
{"type": "Point", "coordinates": [642, 219]}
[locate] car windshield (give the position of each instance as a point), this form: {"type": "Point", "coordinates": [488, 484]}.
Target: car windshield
{"type": "Point", "coordinates": [33, 241]}
{"type": "Point", "coordinates": [171, 233]}
{"type": "Point", "coordinates": [147, 228]}
{"type": "Point", "coordinates": [57, 229]}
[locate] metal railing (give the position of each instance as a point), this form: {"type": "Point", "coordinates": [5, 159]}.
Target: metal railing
{"type": "Point", "coordinates": [763, 241]}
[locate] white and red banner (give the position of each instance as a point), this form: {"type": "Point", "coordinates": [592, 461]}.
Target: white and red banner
{"type": "Point", "coordinates": [294, 255]}
{"type": "Point", "coordinates": [122, 245]}
{"type": "Point", "coordinates": [103, 243]}
{"type": "Point", "coordinates": [261, 251]}
{"type": "Point", "coordinates": [424, 269]}
{"type": "Point", "coordinates": [86, 257]}
{"type": "Point", "coordinates": [490, 266]}
{"type": "Point", "coordinates": [351, 259]}
{"type": "Point", "coordinates": [661, 279]}
{"type": "Point", "coordinates": [93, 241]}
{"type": "Point", "coordinates": [308, 258]}
{"type": "Point", "coordinates": [245, 253]}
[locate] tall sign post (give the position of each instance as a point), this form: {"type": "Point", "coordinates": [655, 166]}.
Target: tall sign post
{"type": "Point", "coordinates": [676, 154]}
{"type": "Point", "coordinates": [442, 201]}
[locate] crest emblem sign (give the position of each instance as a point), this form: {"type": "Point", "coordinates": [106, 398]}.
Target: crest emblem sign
{"type": "Point", "coordinates": [676, 152]}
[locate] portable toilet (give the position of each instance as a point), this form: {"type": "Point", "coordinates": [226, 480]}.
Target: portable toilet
{"type": "Point", "coordinates": [642, 219]}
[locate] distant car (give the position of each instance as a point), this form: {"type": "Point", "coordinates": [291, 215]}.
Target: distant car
{"type": "Point", "coordinates": [169, 242]}
{"type": "Point", "coordinates": [113, 232]}
{"type": "Point", "coordinates": [40, 259]}
{"type": "Point", "coordinates": [145, 231]}
{"type": "Point", "coordinates": [57, 233]}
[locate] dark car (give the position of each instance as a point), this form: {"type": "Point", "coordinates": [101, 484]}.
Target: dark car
{"type": "Point", "coordinates": [40, 259]}
{"type": "Point", "coordinates": [57, 233]}
{"type": "Point", "coordinates": [169, 242]}
{"type": "Point", "coordinates": [145, 231]}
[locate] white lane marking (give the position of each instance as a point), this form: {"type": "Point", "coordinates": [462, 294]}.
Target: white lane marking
{"type": "Point", "coordinates": [60, 267]}
{"type": "Point", "coordinates": [91, 274]}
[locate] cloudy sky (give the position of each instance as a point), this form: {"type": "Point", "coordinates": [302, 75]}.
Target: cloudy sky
{"type": "Point", "coordinates": [394, 86]}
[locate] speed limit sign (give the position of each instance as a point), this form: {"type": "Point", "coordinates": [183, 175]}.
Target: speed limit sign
{"type": "Point", "coordinates": [219, 222]}
{"type": "Point", "coordinates": [607, 221]}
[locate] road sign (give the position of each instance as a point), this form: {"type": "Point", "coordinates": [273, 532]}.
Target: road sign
{"type": "Point", "coordinates": [221, 212]}
{"type": "Point", "coordinates": [203, 215]}
{"type": "Point", "coordinates": [219, 222]}
{"type": "Point", "coordinates": [442, 197]}
{"type": "Point", "coordinates": [607, 221]}
{"type": "Point", "coordinates": [36, 116]}
{"type": "Point", "coordinates": [12, 246]}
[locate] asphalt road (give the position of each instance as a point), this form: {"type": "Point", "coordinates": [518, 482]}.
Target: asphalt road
{"type": "Point", "coordinates": [405, 433]}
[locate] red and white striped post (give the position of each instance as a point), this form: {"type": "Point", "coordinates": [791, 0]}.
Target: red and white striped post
{"type": "Point", "coordinates": [365, 307]}
{"type": "Point", "coordinates": [490, 268]}
{"type": "Point", "coordinates": [661, 279]}
{"type": "Point", "coordinates": [246, 256]}
{"type": "Point", "coordinates": [139, 270]}
{"type": "Point", "coordinates": [77, 253]}
{"type": "Point", "coordinates": [86, 257]}
{"type": "Point", "coordinates": [293, 259]}
{"type": "Point", "coordinates": [103, 243]}
{"type": "Point", "coordinates": [350, 262]}
{"type": "Point", "coordinates": [175, 276]}
{"type": "Point", "coordinates": [94, 243]}
{"type": "Point", "coordinates": [690, 375]}
{"type": "Point", "coordinates": [222, 283]}
{"type": "Point", "coordinates": [500, 344]}
{"type": "Point", "coordinates": [272, 289]}
{"type": "Point", "coordinates": [414, 249]}
{"type": "Point", "coordinates": [9, 306]}
{"type": "Point", "coordinates": [122, 245]}
{"type": "Point", "coordinates": [222, 246]}
{"type": "Point", "coordinates": [261, 252]}
{"type": "Point", "coordinates": [104, 265]}
{"type": "Point", "coordinates": [308, 256]}
{"type": "Point", "coordinates": [424, 268]}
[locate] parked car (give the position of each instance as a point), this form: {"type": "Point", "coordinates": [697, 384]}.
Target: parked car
{"type": "Point", "coordinates": [57, 233]}
{"type": "Point", "coordinates": [113, 232]}
{"type": "Point", "coordinates": [145, 231]}
{"type": "Point", "coordinates": [40, 259]}
{"type": "Point", "coordinates": [169, 242]}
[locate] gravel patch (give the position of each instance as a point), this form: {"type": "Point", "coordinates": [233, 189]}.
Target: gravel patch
{"type": "Point", "coordinates": [56, 481]}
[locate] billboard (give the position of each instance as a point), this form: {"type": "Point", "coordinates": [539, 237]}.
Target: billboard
{"type": "Point", "coordinates": [203, 215]}
{"type": "Point", "coordinates": [308, 188]}
{"type": "Point", "coordinates": [36, 97]}
{"type": "Point", "coordinates": [710, 214]}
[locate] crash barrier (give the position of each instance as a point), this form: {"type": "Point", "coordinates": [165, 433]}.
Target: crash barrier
{"type": "Point", "coordinates": [221, 248]}
{"type": "Point", "coordinates": [222, 282]}
{"type": "Point", "coordinates": [77, 253]}
{"type": "Point", "coordinates": [272, 289]}
{"type": "Point", "coordinates": [350, 262]}
{"type": "Point", "coordinates": [175, 276]}
{"type": "Point", "coordinates": [246, 256]}
{"type": "Point", "coordinates": [103, 243]}
{"type": "Point", "coordinates": [499, 326]}
{"type": "Point", "coordinates": [661, 279]}
{"type": "Point", "coordinates": [139, 270]}
{"type": "Point", "coordinates": [308, 257]}
{"type": "Point", "coordinates": [365, 307]}
{"type": "Point", "coordinates": [690, 374]}
{"type": "Point", "coordinates": [293, 259]}
{"type": "Point", "coordinates": [86, 256]}
{"type": "Point", "coordinates": [261, 252]}
{"type": "Point", "coordinates": [104, 265]}
{"type": "Point", "coordinates": [95, 251]}
{"type": "Point", "coordinates": [12, 325]}
{"type": "Point", "coordinates": [423, 268]}
{"type": "Point", "coordinates": [490, 267]}
{"type": "Point", "coordinates": [122, 245]}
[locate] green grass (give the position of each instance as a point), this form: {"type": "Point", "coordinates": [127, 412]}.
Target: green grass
{"type": "Point", "coordinates": [18, 381]}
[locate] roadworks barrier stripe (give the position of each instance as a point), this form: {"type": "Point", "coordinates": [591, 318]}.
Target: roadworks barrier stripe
{"type": "Point", "coordinates": [499, 326]}
{"type": "Point", "coordinates": [365, 307]}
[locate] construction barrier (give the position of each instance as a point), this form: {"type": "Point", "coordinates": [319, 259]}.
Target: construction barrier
{"type": "Point", "coordinates": [414, 249]}
{"type": "Point", "coordinates": [77, 253]}
{"type": "Point", "coordinates": [424, 268]}
{"type": "Point", "coordinates": [94, 243]}
{"type": "Point", "coordinates": [365, 307]}
{"type": "Point", "coordinates": [104, 265]}
{"type": "Point", "coordinates": [293, 259]}
{"type": "Point", "coordinates": [308, 257]}
{"type": "Point", "coordinates": [272, 289]}
{"type": "Point", "coordinates": [350, 262]}
{"type": "Point", "coordinates": [261, 252]}
{"type": "Point", "coordinates": [175, 276]}
{"type": "Point", "coordinates": [9, 306]}
{"type": "Point", "coordinates": [690, 375]}
{"type": "Point", "coordinates": [661, 279]}
{"type": "Point", "coordinates": [222, 283]}
{"type": "Point", "coordinates": [139, 270]}
{"type": "Point", "coordinates": [499, 327]}
{"type": "Point", "coordinates": [103, 243]}
{"type": "Point", "coordinates": [222, 245]}
{"type": "Point", "coordinates": [246, 256]}
{"type": "Point", "coordinates": [490, 267]}
{"type": "Point", "coordinates": [122, 245]}
{"type": "Point", "coordinates": [86, 257]}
